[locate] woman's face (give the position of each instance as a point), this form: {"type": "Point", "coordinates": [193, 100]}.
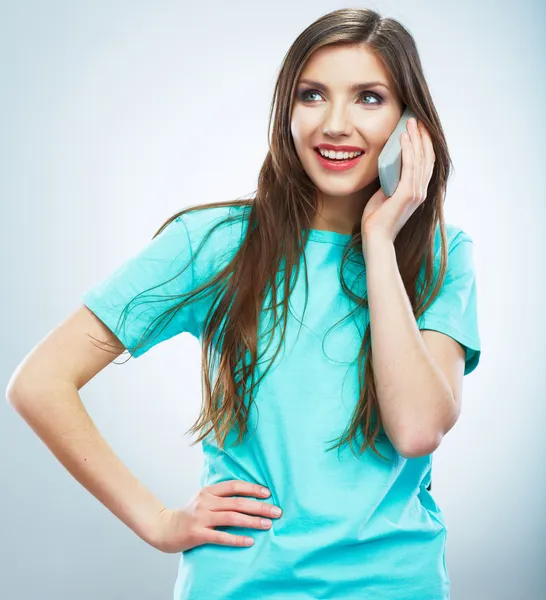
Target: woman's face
{"type": "Point", "coordinates": [363, 117]}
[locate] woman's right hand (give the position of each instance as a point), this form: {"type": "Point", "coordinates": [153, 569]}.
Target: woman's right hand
{"type": "Point", "coordinates": [182, 529]}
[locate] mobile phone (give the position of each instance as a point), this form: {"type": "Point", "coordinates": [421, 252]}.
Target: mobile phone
{"type": "Point", "coordinates": [390, 159]}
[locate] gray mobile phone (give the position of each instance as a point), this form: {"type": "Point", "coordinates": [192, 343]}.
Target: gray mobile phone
{"type": "Point", "coordinates": [390, 159]}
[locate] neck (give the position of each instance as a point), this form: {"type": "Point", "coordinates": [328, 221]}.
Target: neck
{"type": "Point", "coordinates": [342, 214]}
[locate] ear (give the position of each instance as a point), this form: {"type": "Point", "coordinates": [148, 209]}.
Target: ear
{"type": "Point", "coordinates": [450, 356]}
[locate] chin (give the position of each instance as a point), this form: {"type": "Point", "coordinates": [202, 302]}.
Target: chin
{"type": "Point", "coordinates": [340, 188]}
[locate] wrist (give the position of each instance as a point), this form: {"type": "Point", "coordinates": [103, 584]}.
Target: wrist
{"type": "Point", "coordinates": [149, 523]}
{"type": "Point", "coordinates": [154, 532]}
{"type": "Point", "coordinates": [375, 239]}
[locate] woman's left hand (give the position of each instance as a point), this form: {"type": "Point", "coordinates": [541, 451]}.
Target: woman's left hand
{"type": "Point", "coordinates": [387, 215]}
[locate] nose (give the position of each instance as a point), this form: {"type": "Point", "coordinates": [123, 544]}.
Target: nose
{"type": "Point", "coordinates": [337, 125]}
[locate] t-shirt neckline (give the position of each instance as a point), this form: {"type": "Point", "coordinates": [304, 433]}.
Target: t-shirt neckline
{"type": "Point", "coordinates": [331, 237]}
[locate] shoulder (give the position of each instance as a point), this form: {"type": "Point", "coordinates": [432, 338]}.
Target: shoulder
{"type": "Point", "coordinates": [455, 235]}
{"type": "Point", "coordinates": [460, 255]}
{"type": "Point", "coordinates": [215, 234]}
{"type": "Point", "coordinates": [220, 221]}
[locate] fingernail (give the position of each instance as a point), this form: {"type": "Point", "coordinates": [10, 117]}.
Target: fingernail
{"type": "Point", "coordinates": [276, 511]}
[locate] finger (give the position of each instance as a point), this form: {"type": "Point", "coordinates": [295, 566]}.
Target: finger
{"type": "Point", "coordinates": [227, 518]}
{"type": "Point", "coordinates": [235, 487]}
{"type": "Point", "coordinates": [428, 149]}
{"type": "Point", "coordinates": [408, 160]}
{"type": "Point", "coordinates": [223, 538]}
{"type": "Point", "coordinates": [252, 507]}
{"type": "Point", "coordinates": [415, 135]}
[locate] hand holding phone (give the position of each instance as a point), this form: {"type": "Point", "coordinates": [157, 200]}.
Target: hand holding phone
{"type": "Point", "coordinates": [405, 177]}
{"type": "Point", "coordinates": [390, 159]}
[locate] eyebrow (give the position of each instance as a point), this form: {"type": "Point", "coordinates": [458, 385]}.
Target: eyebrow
{"type": "Point", "coordinates": [353, 88]}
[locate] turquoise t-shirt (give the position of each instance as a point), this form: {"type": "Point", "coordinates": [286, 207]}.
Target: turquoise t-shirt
{"type": "Point", "coordinates": [352, 527]}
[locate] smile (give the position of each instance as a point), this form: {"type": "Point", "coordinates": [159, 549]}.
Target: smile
{"type": "Point", "coordinates": [338, 165]}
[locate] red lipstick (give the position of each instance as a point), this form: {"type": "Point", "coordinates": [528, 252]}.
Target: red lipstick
{"type": "Point", "coordinates": [338, 165]}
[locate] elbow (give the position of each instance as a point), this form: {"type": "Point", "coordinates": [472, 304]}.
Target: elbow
{"type": "Point", "coordinates": [17, 392]}
{"type": "Point", "coordinates": [416, 442]}
{"type": "Point", "coordinates": [418, 448]}
{"type": "Point", "coordinates": [12, 393]}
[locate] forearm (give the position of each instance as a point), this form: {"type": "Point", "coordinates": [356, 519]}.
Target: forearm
{"type": "Point", "coordinates": [414, 398]}
{"type": "Point", "coordinates": [57, 415]}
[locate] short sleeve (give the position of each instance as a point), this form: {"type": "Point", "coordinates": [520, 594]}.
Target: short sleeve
{"type": "Point", "coordinates": [454, 311]}
{"type": "Point", "coordinates": [134, 299]}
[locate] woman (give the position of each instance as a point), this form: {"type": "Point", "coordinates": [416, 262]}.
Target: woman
{"type": "Point", "coordinates": [336, 325]}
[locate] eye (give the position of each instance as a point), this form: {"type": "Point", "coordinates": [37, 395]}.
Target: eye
{"type": "Point", "coordinates": [372, 95]}
{"type": "Point", "coordinates": [304, 94]}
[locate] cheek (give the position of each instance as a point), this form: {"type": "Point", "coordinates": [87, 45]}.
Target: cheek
{"type": "Point", "coordinates": [382, 132]}
{"type": "Point", "coordinates": [376, 134]}
{"type": "Point", "coordinates": [303, 125]}
{"type": "Point", "coordinates": [294, 130]}
{"type": "Point", "coordinates": [301, 138]}
{"type": "Point", "coordinates": [376, 129]}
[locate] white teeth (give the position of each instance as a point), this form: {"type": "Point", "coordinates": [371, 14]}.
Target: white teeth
{"type": "Point", "coordinates": [338, 155]}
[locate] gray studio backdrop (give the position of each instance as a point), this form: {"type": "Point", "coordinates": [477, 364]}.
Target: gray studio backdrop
{"type": "Point", "coordinates": [116, 114]}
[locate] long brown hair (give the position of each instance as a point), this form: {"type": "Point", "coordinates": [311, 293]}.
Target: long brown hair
{"type": "Point", "coordinates": [279, 219]}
